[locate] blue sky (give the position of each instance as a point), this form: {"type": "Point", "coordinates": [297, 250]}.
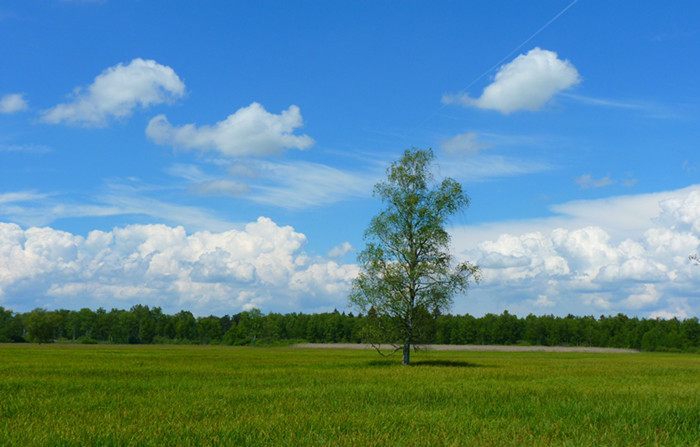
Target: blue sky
{"type": "Point", "coordinates": [218, 156]}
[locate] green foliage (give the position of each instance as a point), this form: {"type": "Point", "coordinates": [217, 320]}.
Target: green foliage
{"type": "Point", "coordinates": [407, 273]}
{"type": "Point", "coordinates": [42, 325]}
{"type": "Point", "coordinates": [182, 395]}
{"type": "Point", "coordinates": [249, 327]}
{"type": "Point", "coordinates": [6, 317]}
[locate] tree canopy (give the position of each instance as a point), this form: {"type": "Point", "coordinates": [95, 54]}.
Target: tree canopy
{"type": "Point", "coordinates": [407, 272]}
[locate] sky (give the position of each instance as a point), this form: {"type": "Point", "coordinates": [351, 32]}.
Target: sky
{"type": "Point", "coordinates": [220, 156]}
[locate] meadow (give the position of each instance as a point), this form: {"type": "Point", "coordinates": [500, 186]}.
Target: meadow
{"type": "Point", "coordinates": [53, 395]}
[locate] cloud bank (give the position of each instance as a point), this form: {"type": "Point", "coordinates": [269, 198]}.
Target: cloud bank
{"type": "Point", "coordinates": [622, 254]}
{"type": "Point", "coordinates": [526, 83]}
{"type": "Point", "coordinates": [263, 266]}
{"type": "Point", "coordinates": [587, 269]}
{"type": "Point", "coordinates": [249, 131]}
{"type": "Point", "coordinates": [116, 92]}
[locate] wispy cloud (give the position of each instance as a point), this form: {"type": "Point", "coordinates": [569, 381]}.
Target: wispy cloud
{"type": "Point", "coordinates": [26, 148]}
{"type": "Point", "coordinates": [298, 185]}
{"type": "Point", "coordinates": [647, 109]}
{"type": "Point", "coordinates": [127, 198]}
{"type": "Point", "coordinates": [490, 167]}
{"type": "Point", "coordinates": [606, 102]}
{"type": "Point", "coordinates": [21, 196]}
{"type": "Point", "coordinates": [116, 198]}
{"type": "Point", "coordinates": [221, 187]}
{"type": "Point", "coordinates": [587, 181]}
{"type": "Point", "coordinates": [464, 145]}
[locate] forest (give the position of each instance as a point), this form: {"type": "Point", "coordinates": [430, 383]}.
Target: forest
{"type": "Point", "coordinates": [144, 325]}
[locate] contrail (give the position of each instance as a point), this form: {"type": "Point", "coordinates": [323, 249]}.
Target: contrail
{"type": "Point", "coordinates": [499, 63]}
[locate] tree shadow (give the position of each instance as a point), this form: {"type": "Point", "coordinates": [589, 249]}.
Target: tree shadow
{"type": "Point", "coordinates": [419, 363]}
{"type": "Point", "coordinates": [447, 363]}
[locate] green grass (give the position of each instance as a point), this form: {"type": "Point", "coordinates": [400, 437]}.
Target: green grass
{"type": "Point", "coordinates": [202, 395]}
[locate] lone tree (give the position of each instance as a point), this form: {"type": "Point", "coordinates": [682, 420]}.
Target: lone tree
{"type": "Point", "coordinates": [407, 274]}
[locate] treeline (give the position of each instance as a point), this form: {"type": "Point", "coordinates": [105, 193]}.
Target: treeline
{"type": "Point", "coordinates": [144, 325]}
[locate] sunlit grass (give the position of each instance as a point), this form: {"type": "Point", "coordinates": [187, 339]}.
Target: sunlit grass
{"type": "Point", "coordinates": [151, 395]}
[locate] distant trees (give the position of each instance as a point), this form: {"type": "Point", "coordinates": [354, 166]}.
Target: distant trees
{"type": "Point", "coordinates": [407, 274]}
{"type": "Point", "coordinates": [7, 331]}
{"type": "Point", "coordinates": [42, 325]}
{"type": "Point", "coordinates": [255, 328]}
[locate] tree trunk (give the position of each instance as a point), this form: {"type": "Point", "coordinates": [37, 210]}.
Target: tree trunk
{"type": "Point", "coordinates": [406, 353]}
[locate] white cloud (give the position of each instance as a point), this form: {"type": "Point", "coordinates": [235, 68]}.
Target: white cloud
{"type": "Point", "coordinates": [116, 92]}
{"type": "Point", "coordinates": [12, 103]}
{"type": "Point", "coordinates": [464, 144]}
{"type": "Point", "coordinates": [542, 301]}
{"type": "Point", "coordinates": [262, 265]}
{"type": "Point", "coordinates": [249, 131]}
{"type": "Point", "coordinates": [646, 297]}
{"type": "Point", "coordinates": [526, 83]}
{"type": "Point", "coordinates": [586, 181]}
{"type": "Point", "coordinates": [669, 314]}
{"type": "Point", "coordinates": [340, 250]}
{"type": "Point", "coordinates": [623, 254]}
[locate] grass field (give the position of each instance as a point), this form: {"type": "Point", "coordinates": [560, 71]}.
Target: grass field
{"type": "Point", "coordinates": [177, 395]}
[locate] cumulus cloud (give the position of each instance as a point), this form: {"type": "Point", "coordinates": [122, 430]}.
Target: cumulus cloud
{"type": "Point", "coordinates": [678, 312]}
{"type": "Point", "coordinates": [12, 103]}
{"type": "Point", "coordinates": [542, 301]}
{"type": "Point", "coordinates": [526, 83]}
{"type": "Point", "coordinates": [116, 92]}
{"type": "Point", "coordinates": [586, 181]}
{"type": "Point", "coordinates": [262, 265]}
{"type": "Point", "coordinates": [464, 144]}
{"type": "Point", "coordinates": [340, 250]}
{"type": "Point", "coordinates": [591, 269]}
{"type": "Point", "coordinates": [249, 131]}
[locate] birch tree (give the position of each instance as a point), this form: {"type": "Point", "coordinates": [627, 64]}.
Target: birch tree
{"type": "Point", "coordinates": [408, 275]}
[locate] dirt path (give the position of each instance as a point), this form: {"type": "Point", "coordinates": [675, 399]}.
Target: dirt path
{"type": "Point", "coordinates": [492, 348]}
